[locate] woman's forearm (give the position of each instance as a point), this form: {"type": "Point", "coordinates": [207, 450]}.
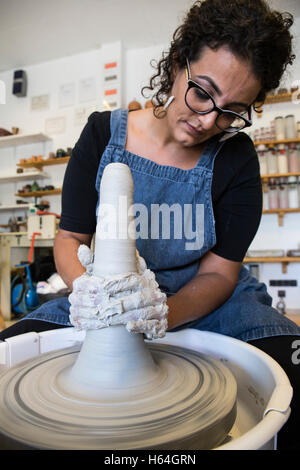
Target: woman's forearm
{"type": "Point", "coordinates": [65, 254]}
{"type": "Point", "coordinates": [201, 296]}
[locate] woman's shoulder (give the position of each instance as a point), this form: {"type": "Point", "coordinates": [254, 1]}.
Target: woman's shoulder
{"type": "Point", "coordinates": [96, 132]}
{"type": "Point", "coordinates": [240, 142]}
{"type": "Point", "coordinates": [99, 120]}
{"type": "Point", "coordinates": [236, 153]}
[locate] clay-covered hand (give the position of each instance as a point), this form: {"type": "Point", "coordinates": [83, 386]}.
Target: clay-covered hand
{"type": "Point", "coordinates": [130, 299]}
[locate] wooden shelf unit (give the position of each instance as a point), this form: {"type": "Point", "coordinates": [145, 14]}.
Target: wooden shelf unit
{"type": "Point", "coordinates": [11, 207]}
{"type": "Point", "coordinates": [51, 192]}
{"type": "Point", "coordinates": [278, 175]}
{"type": "Point", "coordinates": [281, 213]}
{"type": "Point", "coordinates": [23, 139]}
{"type": "Point", "coordinates": [285, 260]}
{"type": "Point", "coordinates": [281, 98]}
{"type": "Point", "coordinates": [272, 143]}
{"type": "Point", "coordinates": [47, 162]}
{"type": "Point", "coordinates": [23, 176]}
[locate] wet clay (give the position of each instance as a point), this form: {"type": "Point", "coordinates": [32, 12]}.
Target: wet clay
{"type": "Point", "coordinates": [117, 391]}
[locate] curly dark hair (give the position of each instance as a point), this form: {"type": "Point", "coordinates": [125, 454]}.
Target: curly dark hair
{"type": "Point", "coordinates": [250, 29]}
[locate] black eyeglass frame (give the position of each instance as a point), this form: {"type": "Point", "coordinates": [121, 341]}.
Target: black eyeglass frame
{"type": "Point", "coordinates": [220, 111]}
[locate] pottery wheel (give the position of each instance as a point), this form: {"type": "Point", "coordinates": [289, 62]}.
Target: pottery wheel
{"type": "Point", "coordinates": [189, 404]}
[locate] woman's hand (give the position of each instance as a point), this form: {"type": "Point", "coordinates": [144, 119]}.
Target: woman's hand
{"type": "Point", "coordinates": [131, 299]}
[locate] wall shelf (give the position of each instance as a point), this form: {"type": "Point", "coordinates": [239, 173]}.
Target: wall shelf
{"type": "Point", "coordinates": [281, 98]}
{"type": "Point", "coordinates": [23, 139]}
{"type": "Point", "coordinates": [23, 176]}
{"type": "Point", "coordinates": [51, 192]}
{"type": "Point", "coordinates": [278, 175]}
{"type": "Point", "coordinates": [11, 207]}
{"type": "Point", "coordinates": [281, 213]}
{"type": "Point", "coordinates": [285, 260]}
{"type": "Point", "coordinates": [276, 142]}
{"type": "Point", "coordinates": [42, 163]}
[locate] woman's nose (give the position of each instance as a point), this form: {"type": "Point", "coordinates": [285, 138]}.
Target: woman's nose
{"type": "Point", "coordinates": [208, 121]}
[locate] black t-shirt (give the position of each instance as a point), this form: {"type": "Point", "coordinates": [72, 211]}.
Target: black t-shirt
{"type": "Point", "coordinates": [236, 188]}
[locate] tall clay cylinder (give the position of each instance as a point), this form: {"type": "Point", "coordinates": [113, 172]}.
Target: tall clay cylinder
{"type": "Point", "coordinates": [115, 247]}
{"type": "Point", "coordinates": [112, 358]}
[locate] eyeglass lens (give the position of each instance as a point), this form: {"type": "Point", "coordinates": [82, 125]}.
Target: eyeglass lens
{"type": "Point", "coordinates": [199, 100]}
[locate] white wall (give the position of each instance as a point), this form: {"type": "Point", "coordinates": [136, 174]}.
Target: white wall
{"type": "Point", "coordinates": [46, 78]}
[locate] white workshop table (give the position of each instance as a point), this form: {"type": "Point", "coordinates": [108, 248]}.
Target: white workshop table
{"type": "Point", "coordinates": [12, 246]}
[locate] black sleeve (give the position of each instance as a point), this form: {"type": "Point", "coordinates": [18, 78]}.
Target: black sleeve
{"type": "Point", "coordinates": [237, 198]}
{"type": "Point", "coordinates": [79, 195]}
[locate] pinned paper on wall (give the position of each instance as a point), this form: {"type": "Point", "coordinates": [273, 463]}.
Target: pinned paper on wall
{"type": "Point", "coordinates": [66, 96]}
{"type": "Point", "coordinates": [111, 98]}
{"type": "Point", "coordinates": [39, 103]}
{"type": "Point", "coordinates": [111, 79]}
{"type": "Point", "coordinates": [87, 90]}
{"type": "Point", "coordinates": [55, 125]}
{"type": "Point", "coordinates": [111, 76]}
{"type": "Point", "coordinates": [81, 114]}
{"type": "Point", "coordinates": [111, 73]}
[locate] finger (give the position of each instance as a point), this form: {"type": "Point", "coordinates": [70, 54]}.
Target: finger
{"type": "Point", "coordinates": [85, 255]}
{"type": "Point", "coordinates": [157, 312]}
{"type": "Point", "coordinates": [133, 301]}
{"type": "Point", "coordinates": [143, 298]}
{"type": "Point", "coordinates": [87, 324]}
{"type": "Point", "coordinates": [151, 328]}
{"type": "Point", "coordinates": [83, 312]}
{"type": "Point", "coordinates": [141, 263]}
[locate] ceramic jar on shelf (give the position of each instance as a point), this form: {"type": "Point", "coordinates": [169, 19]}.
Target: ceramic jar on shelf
{"type": "Point", "coordinates": [282, 161]}
{"type": "Point", "coordinates": [293, 159]}
{"type": "Point", "coordinates": [283, 195]}
{"type": "Point", "coordinates": [279, 128]}
{"type": "Point", "coordinates": [273, 194]}
{"type": "Point", "coordinates": [293, 192]}
{"type": "Point", "coordinates": [290, 127]}
{"type": "Point", "coordinates": [272, 161]}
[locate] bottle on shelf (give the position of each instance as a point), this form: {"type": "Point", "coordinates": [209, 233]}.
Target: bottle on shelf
{"type": "Point", "coordinates": [293, 159]}
{"type": "Point", "coordinates": [282, 160]}
{"type": "Point", "coordinates": [281, 307]}
{"type": "Point", "coordinates": [293, 192]}
{"type": "Point", "coordinates": [262, 158]}
{"type": "Point", "coordinates": [290, 127]}
{"type": "Point", "coordinates": [256, 135]}
{"type": "Point", "coordinates": [283, 197]}
{"type": "Point", "coordinates": [273, 194]}
{"type": "Point", "coordinates": [279, 128]}
{"type": "Point", "coordinates": [266, 200]}
{"type": "Point", "coordinates": [272, 130]}
{"type": "Point", "coordinates": [254, 270]}
{"type": "Point", "coordinates": [272, 161]}
{"type": "Point", "coordinates": [298, 130]}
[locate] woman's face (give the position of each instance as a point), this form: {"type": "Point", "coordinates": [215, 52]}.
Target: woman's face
{"type": "Point", "coordinates": [228, 79]}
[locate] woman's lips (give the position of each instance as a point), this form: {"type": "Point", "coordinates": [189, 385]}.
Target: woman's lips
{"type": "Point", "coordinates": [192, 129]}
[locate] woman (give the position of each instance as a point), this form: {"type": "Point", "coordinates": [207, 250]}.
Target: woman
{"type": "Point", "coordinates": [226, 56]}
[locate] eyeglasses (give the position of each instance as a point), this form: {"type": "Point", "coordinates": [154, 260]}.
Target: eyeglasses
{"type": "Point", "coordinates": [201, 102]}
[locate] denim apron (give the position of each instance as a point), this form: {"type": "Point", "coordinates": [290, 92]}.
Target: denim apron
{"type": "Point", "coordinates": [182, 198]}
